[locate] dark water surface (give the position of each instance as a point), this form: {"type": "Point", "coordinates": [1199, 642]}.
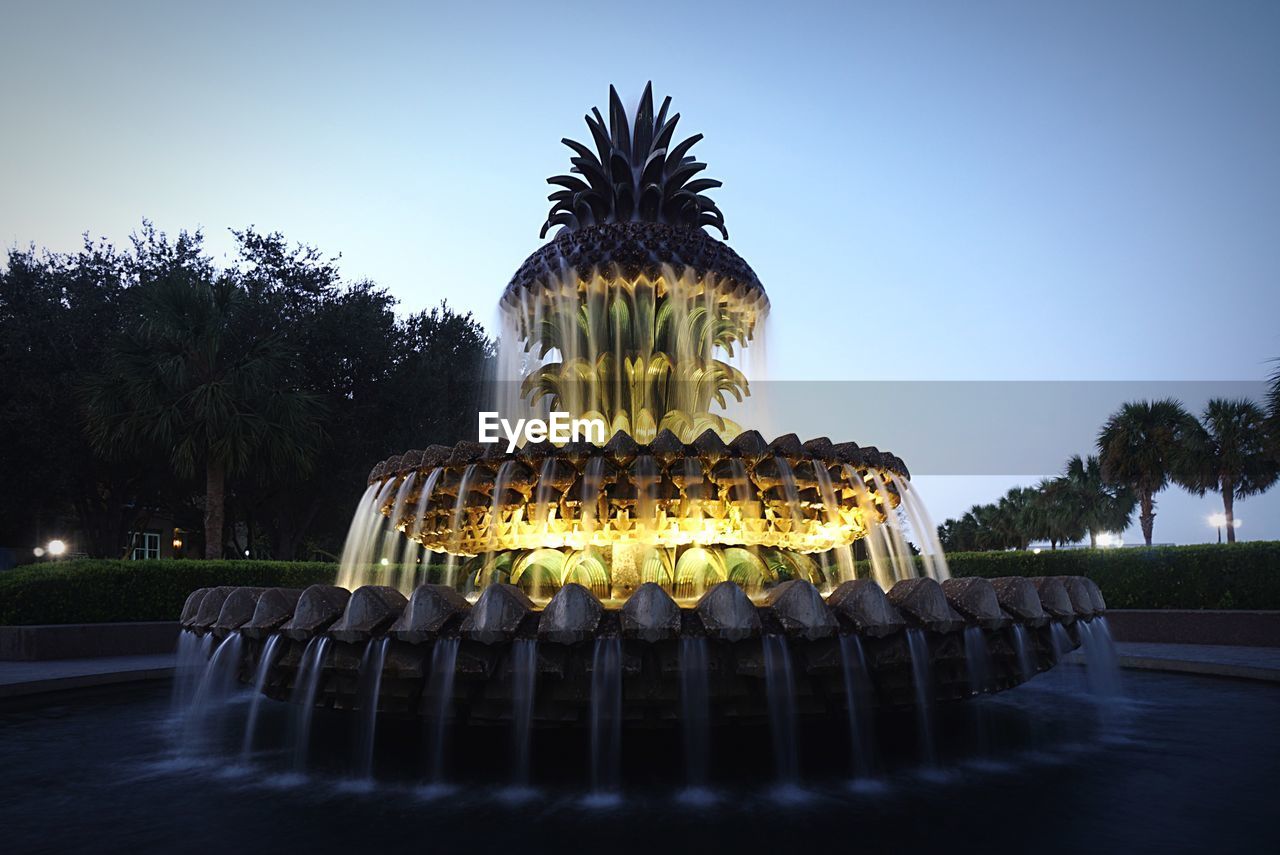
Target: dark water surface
{"type": "Point", "coordinates": [1183, 764]}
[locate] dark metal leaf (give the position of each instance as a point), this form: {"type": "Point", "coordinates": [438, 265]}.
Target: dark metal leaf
{"type": "Point", "coordinates": [581, 149]}
{"type": "Point", "coordinates": [676, 178]}
{"type": "Point", "coordinates": [675, 156]}
{"type": "Point", "coordinates": [643, 123]}
{"type": "Point", "coordinates": [662, 139]}
{"type": "Point", "coordinates": [715, 223]}
{"type": "Point", "coordinates": [620, 169]}
{"type": "Point", "coordinates": [618, 128]}
{"type": "Point", "coordinates": [701, 184]}
{"type": "Point", "coordinates": [650, 202]}
{"type": "Point", "coordinates": [569, 183]}
{"type": "Point", "coordinates": [604, 146]}
{"type": "Point", "coordinates": [624, 201]}
{"type": "Point", "coordinates": [662, 112]}
{"type": "Point", "coordinates": [653, 168]}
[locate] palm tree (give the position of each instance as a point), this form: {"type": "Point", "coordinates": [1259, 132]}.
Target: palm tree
{"type": "Point", "coordinates": [1273, 415]}
{"type": "Point", "coordinates": [1102, 506]}
{"type": "Point", "coordinates": [1230, 455]}
{"type": "Point", "coordinates": [1060, 515]}
{"type": "Point", "coordinates": [1144, 445]}
{"type": "Point", "coordinates": [188, 381]}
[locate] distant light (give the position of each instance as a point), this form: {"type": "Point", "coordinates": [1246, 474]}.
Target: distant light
{"type": "Point", "coordinates": [1036, 550]}
{"type": "Point", "coordinates": [39, 551]}
{"type": "Point", "coordinates": [56, 548]}
{"type": "Point", "coordinates": [246, 553]}
{"type": "Point", "coordinates": [1220, 520]}
{"type": "Point", "coordinates": [1109, 539]}
{"type": "Point", "coordinates": [385, 562]}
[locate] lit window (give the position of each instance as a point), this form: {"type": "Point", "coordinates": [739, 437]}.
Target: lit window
{"type": "Point", "coordinates": [146, 544]}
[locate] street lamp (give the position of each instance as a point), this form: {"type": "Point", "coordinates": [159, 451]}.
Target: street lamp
{"type": "Point", "coordinates": [56, 548]}
{"type": "Point", "coordinates": [1220, 520]}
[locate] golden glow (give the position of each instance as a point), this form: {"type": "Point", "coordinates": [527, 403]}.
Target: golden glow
{"type": "Point", "coordinates": [591, 519]}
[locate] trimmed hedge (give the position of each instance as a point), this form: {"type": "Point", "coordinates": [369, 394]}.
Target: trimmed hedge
{"type": "Point", "coordinates": [95, 591]}
{"type": "Point", "coordinates": [1226, 576]}
{"type": "Point", "coordinates": [1229, 576]}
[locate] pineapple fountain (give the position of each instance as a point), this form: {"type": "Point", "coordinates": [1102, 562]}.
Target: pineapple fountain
{"type": "Point", "coordinates": [586, 584]}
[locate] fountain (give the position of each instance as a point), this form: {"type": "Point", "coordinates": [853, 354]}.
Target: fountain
{"type": "Point", "coordinates": [597, 585]}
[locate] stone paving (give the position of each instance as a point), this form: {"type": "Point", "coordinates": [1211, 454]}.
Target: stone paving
{"type": "Point", "coordinates": [30, 678]}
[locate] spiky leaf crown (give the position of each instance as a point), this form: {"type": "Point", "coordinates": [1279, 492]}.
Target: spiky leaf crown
{"type": "Point", "coordinates": [634, 175]}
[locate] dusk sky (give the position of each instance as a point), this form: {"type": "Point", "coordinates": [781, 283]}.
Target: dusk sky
{"type": "Point", "coordinates": [1078, 191]}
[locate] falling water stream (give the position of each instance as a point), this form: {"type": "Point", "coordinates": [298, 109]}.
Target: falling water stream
{"type": "Point", "coordinates": [444, 659]}
{"type": "Point", "coordinates": [306, 687]}
{"type": "Point", "coordinates": [270, 652]}
{"type": "Point", "coordinates": [1102, 667]}
{"type": "Point", "coordinates": [922, 679]}
{"type": "Point", "coordinates": [606, 716]}
{"type": "Point", "coordinates": [780, 688]}
{"type": "Point", "coordinates": [524, 681]}
{"type": "Point", "coordinates": [192, 660]}
{"type": "Point", "coordinates": [695, 708]}
{"type": "Point", "coordinates": [1022, 649]}
{"type": "Point", "coordinates": [209, 701]}
{"type": "Point", "coordinates": [857, 692]}
{"type": "Point", "coordinates": [977, 657]}
{"type": "Point", "coordinates": [368, 690]}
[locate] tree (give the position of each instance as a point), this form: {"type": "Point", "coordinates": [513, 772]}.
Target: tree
{"type": "Point", "coordinates": [1230, 455]}
{"type": "Point", "coordinates": [194, 379]}
{"type": "Point", "coordinates": [1144, 445]}
{"type": "Point", "coordinates": [1103, 506]}
{"type": "Point", "coordinates": [1060, 515]}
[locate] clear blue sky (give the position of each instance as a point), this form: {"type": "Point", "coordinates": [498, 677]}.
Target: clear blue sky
{"type": "Point", "coordinates": [1085, 190]}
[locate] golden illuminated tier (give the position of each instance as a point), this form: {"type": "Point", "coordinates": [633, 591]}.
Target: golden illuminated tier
{"type": "Point", "coordinates": [634, 324]}
{"type": "Point", "coordinates": [802, 497]}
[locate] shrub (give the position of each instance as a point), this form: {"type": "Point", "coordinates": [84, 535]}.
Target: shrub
{"type": "Point", "coordinates": [1228, 576]}
{"type": "Point", "coordinates": [88, 591]}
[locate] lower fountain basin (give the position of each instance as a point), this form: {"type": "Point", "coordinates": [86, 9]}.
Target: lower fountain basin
{"type": "Point", "coordinates": [935, 620]}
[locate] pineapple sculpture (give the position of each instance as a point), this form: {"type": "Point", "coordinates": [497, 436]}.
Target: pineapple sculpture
{"type": "Point", "coordinates": [632, 312]}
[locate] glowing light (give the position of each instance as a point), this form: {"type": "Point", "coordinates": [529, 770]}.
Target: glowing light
{"type": "Point", "coordinates": [56, 548]}
{"type": "Point", "coordinates": [1220, 521]}
{"type": "Point", "coordinates": [1036, 551]}
{"type": "Point", "coordinates": [38, 551]}
{"type": "Point", "coordinates": [384, 562]}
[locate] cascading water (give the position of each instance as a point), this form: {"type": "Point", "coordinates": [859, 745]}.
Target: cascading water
{"type": "Point", "coordinates": [444, 659]}
{"type": "Point", "coordinates": [210, 698]}
{"type": "Point", "coordinates": [977, 659]}
{"type": "Point", "coordinates": [306, 687]}
{"type": "Point", "coordinates": [1102, 666]}
{"type": "Point", "coordinates": [192, 658]}
{"type": "Point", "coordinates": [857, 692]}
{"type": "Point", "coordinates": [606, 716]}
{"type": "Point", "coordinates": [1022, 651]}
{"type": "Point", "coordinates": [367, 694]}
{"type": "Point", "coordinates": [270, 652]}
{"type": "Point", "coordinates": [695, 708]}
{"type": "Point", "coordinates": [922, 678]}
{"type": "Point", "coordinates": [780, 688]}
{"type": "Point", "coordinates": [1061, 641]}
{"type": "Point", "coordinates": [524, 682]}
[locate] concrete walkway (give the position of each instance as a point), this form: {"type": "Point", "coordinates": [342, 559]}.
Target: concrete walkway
{"type": "Point", "coordinates": [1218, 660]}
{"type": "Point", "coordinates": [32, 678]}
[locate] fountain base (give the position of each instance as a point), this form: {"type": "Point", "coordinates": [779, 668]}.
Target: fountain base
{"type": "Point", "coordinates": [1027, 625]}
